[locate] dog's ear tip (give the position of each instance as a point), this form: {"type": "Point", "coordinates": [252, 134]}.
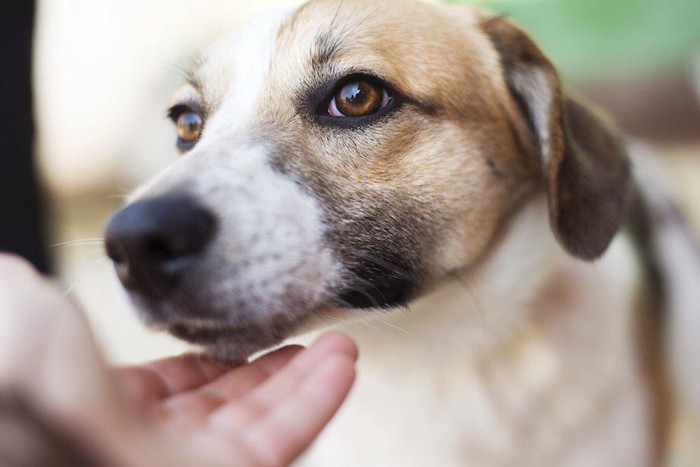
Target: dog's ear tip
{"type": "Point", "coordinates": [586, 244]}
{"type": "Point", "coordinates": [588, 232]}
{"type": "Point", "coordinates": [591, 189]}
{"type": "Point", "coordinates": [489, 18]}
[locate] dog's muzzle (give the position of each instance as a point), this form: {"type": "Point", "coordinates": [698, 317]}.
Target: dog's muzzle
{"type": "Point", "coordinates": [154, 242]}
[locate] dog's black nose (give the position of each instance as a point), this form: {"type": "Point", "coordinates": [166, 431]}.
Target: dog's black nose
{"type": "Point", "coordinates": [154, 241]}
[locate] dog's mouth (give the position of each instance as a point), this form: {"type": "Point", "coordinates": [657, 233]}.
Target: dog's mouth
{"type": "Point", "coordinates": [212, 333]}
{"type": "Point", "coordinates": [237, 329]}
{"type": "Point", "coordinates": [200, 334]}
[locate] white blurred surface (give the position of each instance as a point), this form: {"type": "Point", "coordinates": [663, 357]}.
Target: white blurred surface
{"type": "Point", "coordinates": [104, 72]}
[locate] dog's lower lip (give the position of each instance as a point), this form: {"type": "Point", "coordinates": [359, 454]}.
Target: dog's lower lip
{"type": "Point", "coordinates": [212, 332]}
{"type": "Point", "coordinates": [198, 334]}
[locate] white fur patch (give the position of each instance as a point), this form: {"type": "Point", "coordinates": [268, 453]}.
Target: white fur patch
{"type": "Point", "coordinates": [269, 266]}
{"type": "Point", "coordinates": [269, 258]}
{"type": "Point", "coordinates": [536, 87]}
{"type": "Point", "coordinates": [234, 71]}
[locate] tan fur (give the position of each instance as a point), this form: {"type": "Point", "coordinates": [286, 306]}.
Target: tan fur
{"type": "Point", "coordinates": [442, 159]}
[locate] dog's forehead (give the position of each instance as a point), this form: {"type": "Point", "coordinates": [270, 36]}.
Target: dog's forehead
{"type": "Point", "coordinates": [232, 72]}
{"type": "Point", "coordinates": [429, 52]}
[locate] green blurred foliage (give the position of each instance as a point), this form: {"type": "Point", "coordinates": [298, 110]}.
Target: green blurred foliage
{"type": "Point", "coordinates": [596, 39]}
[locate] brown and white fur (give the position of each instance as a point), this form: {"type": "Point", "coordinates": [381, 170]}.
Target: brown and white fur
{"type": "Point", "coordinates": [479, 239]}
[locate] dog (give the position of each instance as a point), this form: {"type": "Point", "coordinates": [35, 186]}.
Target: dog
{"type": "Point", "coordinates": [414, 174]}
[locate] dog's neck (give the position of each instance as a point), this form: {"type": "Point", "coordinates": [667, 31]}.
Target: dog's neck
{"type": "Point", "coordinates": [527, 345]}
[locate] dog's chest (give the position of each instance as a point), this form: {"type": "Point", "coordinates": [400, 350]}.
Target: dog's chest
{"type": "Point", "coordinates": [545, 373]}
{"type": "Point", "coordinates": [479, 420]}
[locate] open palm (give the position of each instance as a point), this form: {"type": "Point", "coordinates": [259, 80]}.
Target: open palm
{"type": "Point", "coordinates": [263, 413]}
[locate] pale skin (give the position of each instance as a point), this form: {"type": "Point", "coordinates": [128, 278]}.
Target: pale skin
{"type": "Point", "coordinates": [184, 410]}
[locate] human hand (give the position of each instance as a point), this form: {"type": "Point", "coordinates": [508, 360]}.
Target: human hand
{"type": "Point", "coordinates": [187, 410]}
{"type": "Point", "coordinates": [263, 413]}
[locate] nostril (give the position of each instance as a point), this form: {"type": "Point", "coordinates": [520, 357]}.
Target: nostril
{"type": "Point", "coordinates": [183, 235]}
{"type": "Point", "coordinates": [114, 251]}
{"type": "Point", "coordinates": [118, 255]}
{"type": "Point", "coordinates": [160, 248]}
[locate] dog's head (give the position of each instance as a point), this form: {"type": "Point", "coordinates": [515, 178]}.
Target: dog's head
{"type": "Point", "coordinates": [347, 156]}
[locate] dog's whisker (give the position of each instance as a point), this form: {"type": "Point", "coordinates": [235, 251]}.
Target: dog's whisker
{"type": "Point", "coordinates": [84, 274]}
{"type": "Point", "coordinates": [471, 293]}
{"type": "Point", "coordinates": [123, 197]}
{"type": "Point", "coordinates": [358, 25]}
{"type": "Point", "coordinates": [337, 12]}
{"type": "Point", "coordinates": [384, 264]}
{"type": "Point", "coordinates": [123, 190]}
{"type": "Point", "coordinates": [340, 301]}
{"type": "Point", "coordinates": [80, 242]}
{"type": "Point", "coordinates": [396, 327]}
{"type": "Point", "coordinates": [364, 291]}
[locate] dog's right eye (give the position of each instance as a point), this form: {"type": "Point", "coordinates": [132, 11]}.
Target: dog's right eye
{"type": "Point", "coordinates": [190, 125]}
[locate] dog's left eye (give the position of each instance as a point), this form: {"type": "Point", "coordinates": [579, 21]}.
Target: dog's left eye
{"type": "Point", "coordinates": [358, 98]}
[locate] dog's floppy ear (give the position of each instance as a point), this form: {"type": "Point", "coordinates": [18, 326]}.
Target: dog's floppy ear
{"type": "Point", "coordinates": [584, 165]}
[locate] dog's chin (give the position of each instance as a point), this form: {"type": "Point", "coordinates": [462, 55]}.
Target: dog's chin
{"type": "Point", "coordinates": [231, 342]}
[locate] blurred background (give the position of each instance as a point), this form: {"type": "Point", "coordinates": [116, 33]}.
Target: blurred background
{"type": "Point", "coordinates": [104, 69]}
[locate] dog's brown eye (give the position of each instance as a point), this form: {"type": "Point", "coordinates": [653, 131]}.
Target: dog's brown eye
{"type": "Point", "coordinates": [357, 99]}
{"type": "Point", "coordinates": [189, 126]}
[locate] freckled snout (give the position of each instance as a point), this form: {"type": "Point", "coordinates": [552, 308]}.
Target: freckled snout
{"type": "Point", "coordinates": [155, 241]}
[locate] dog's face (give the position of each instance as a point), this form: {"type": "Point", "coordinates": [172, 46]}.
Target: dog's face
{"type": "Point", "coordinates": [346, 156]}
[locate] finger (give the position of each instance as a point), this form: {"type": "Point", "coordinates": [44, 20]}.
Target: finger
{"type": "Point", "coordinates": [284, 432]}
{"type": "Point", "coordinates": [332, 343]}
{"type": "Point", "coordinates": [157, 380]}
{"type": "Point", "coordinates": [237, 383]}
{"type": "Point", "coordinates": [198, 403]}
{"type": "Point", "coordinates": [259, 401]}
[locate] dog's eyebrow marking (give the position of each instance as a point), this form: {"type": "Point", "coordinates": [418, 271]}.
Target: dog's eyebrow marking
{"type": "Point", "coordinates": [327, 44]}
{"type": "Point", "coordinates": [193, 81]}
{"type": "Point", "coordinates": [494, 168]}
{"type": "Point", "coordinates": [328, 47]}
{"type": "Point", "coordinates": [331, 41]}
